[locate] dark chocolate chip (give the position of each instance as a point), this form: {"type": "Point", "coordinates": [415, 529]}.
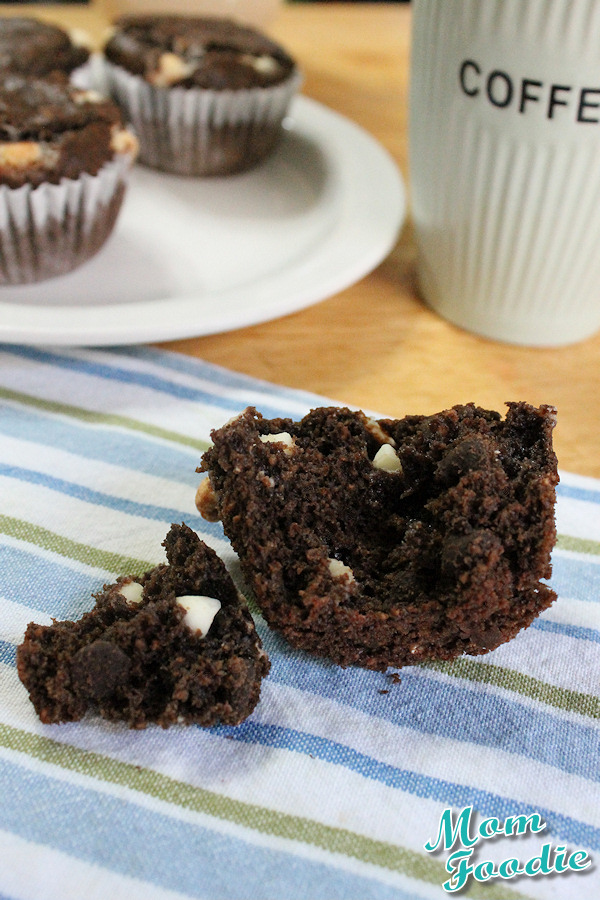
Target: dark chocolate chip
{"type": "Point", "coordinates": [488, 638]}
{"type": "Point", "coordinates": [98, 669]}
{"type": "Point", "coordinates": [463, 457]}
{"type": "Point", "coordinates": [462, 551]}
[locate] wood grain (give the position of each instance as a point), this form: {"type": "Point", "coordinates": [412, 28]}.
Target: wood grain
{"type": "Point", "coordinates": [375, 344]}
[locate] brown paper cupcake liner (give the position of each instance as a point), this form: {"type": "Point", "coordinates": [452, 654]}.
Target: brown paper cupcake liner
{"type": "Point", "coordinates": [197, 131]}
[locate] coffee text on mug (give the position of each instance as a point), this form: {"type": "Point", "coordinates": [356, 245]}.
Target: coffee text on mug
{"type": "Point", "coordinates": [505, 91]}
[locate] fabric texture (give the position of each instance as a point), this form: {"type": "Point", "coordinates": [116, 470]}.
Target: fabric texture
{"type": "Point", "coordinates": [338, 780]}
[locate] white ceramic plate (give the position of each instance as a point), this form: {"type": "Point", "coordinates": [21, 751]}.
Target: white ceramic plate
{"type": "Point", "coordinates": [198, 256]}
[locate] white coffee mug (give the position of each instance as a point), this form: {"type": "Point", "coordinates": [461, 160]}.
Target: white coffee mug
{"type": "Point", "coordinates": [505, 165]}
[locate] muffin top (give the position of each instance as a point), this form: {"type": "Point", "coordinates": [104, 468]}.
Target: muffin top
{"type": "Point", "coordinates": [188, 51]}
{"type": "Point", "coordinates": [33, 47]}
{"type": "Point", "coordinates": [50, 130]}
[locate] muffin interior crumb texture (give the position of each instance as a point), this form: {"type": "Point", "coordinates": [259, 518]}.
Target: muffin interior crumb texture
{"type": "Point", "coordinates": [176, 646]}
{"type": "Point", "coordinates": [389, 542]}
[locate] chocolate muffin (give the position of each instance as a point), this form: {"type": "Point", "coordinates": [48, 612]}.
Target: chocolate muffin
{"type": "Point", "coordinates": [34, 48]}
{"type": "Point", "coordinates": [176, 646]}
{"type": "Point", "coordinates": [64, 159]}
{"type": "Point", "coordinates": [390, 542]}
{"type": "Point", "coordinates": [206, 96]}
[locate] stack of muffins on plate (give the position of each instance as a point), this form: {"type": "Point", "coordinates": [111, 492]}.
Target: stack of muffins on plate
{"type": "Point", "coordinates": [64, 156]}
{"type": "Point", "coordinates": [193, 96]}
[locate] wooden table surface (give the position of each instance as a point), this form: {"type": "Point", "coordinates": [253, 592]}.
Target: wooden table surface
{"type": "Point", "coordinates": [375, 344]}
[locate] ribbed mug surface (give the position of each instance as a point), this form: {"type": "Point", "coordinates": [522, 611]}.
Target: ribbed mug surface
{"type": "Point", "coordinates": [505, 165]}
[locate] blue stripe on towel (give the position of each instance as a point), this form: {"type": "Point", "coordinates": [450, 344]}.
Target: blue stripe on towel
{"type": "Point", "coordinates": [573, 631]}
{"type": "Point", "coordinates": [46, 584]}
{"type": "Point", "coordinates": [576, 577]}
{"type": "Point", "coordinates": [110, 501]}
{"type": "Point", "coordinates": [118, 834]}
{"type": "Point", "coordinates": [125, 376]}
{"type": "Point", "coordinates": [291, 401]}
{"type": "Point", "coordinates": [449, 708]}
{"type": "Point", "coordinates": [131, 450]}
{"type": "Point", "coordinates": [447, 792]}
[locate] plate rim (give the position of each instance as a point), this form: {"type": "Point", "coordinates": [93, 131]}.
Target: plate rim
{"type": "Point", "coordinates": [377, 183]}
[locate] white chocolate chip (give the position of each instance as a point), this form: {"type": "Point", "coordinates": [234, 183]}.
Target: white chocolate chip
{"type": "Point", "coordinates": [124, 141]}
{"type": "Point", "coordinates": [200, 612]}
{"type": "Point", "coordinates": [88, 96]}
{"type": "Point", "coordinates": [283, 437]}
{"type": "Point", "coordinates": [264, 64]}
{"type": "Point", "coordinates": [338, 569]}
{"type": "Point", "coordinates": [386, 459]}
{"type": "Point", "coordinates": [132, 591]}
{"type": "Point", "coordinates": [171, 69]}
{"type": "Point", "coordinates": [20, 155]}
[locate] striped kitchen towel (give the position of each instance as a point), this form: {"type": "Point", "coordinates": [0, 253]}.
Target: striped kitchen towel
{"type": "Point", "coordinates": [343, 784]}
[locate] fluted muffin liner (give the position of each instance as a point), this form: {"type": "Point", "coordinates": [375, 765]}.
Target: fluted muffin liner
{"type": "Point", "coordinates": [49, 229]}
{"type": "Point", "coordinates": [200, 131]}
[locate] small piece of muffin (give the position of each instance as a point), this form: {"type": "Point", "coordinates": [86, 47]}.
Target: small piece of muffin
{"type": "Point", "coordinates": [389, 542]}
{"type": "Point", "coordinates": [206, 96]}
{"type": "Point", "coordinates": [35, 48]}
{"type": "Point", "coordinates": [176, 646]}
{"type": "Point", "coordinates": [65, 155]}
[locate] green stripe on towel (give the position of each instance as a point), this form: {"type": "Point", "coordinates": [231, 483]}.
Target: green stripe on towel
{"type": "Point", "coordinates": [578, 545]}
{"type": "Point", "coordinates": [266, 821]}
{"type": "Point", "coordinates": [525, 685]}
{"type": "Point", "coordinates": [56, 543]}
{"type": "Point", "coordinates": [98, 418]}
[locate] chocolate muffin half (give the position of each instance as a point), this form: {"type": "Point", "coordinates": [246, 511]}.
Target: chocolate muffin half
{"type": "Point", "coordinates": [65, 155]}
{"type": "Point", "coordinates": [206, 96]}
{"type": "Point", "coordinates": [35, 48]}
{"type": "Point", "coordinates": [389, 542]}
{"type": "Point", "coordinates": [176, 646]}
